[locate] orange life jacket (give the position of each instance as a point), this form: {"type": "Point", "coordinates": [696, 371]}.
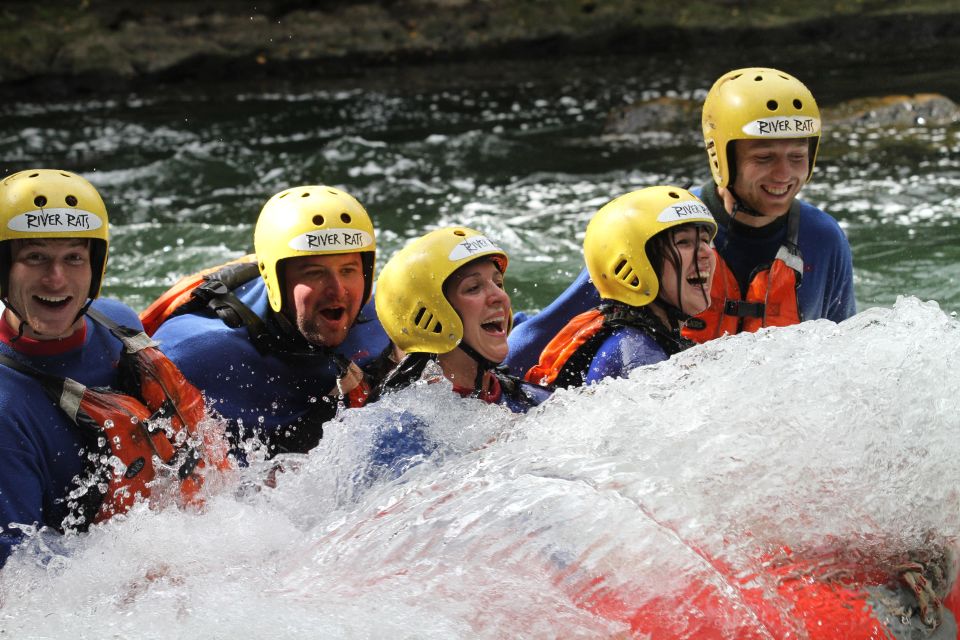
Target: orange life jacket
{"type": "Point", "coordinates": [564, 345]}
{"type": "Point", "coordinates": [770, 301]}
{"type": "Point", "coordinates": [213, 288]}
{"type": "Point", "coordinates": [125, 431]}
{"type": "Point", "coordinates": [230, 274]}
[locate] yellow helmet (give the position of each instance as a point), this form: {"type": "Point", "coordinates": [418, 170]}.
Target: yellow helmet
{"type": "Point", "coordinates": [756, 103]}
{"type": "Point", "coordinates": [49, 203]}
{"type": "Point", "coordinates": [615, 245]}
{"type": "Point", "coordinates": [410, 302]}
{"type": "Point", "coordinates": [308, 221]}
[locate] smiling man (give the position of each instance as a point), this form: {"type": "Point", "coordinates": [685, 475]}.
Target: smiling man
{"type": "Point", "coordinates": [780, 260]}
{"type": "Point", "coordinates": [53, 254]}
{"type": "Point", "coordinates": [268, 353]}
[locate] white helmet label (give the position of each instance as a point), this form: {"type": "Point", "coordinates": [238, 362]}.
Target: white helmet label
{"type": "Point", "coordinates": [686, 211]}
{"type": "Point", "coordinates": [323, 240]}
{"type": "Point", "coordinates": [783, 127]}
{"type": "Point", "coordinates": [55, 220]}
{"type": "Point", "coordinates": [472, 246]}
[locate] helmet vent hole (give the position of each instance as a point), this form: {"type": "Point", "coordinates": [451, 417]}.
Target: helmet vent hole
{"type": "Point", "coordinates": [797, 104]}
{"type": "Point", "coordinates": [459, 232]}
{"type": "Point", "coordinates": [424, 319]}
{"type": "Point", "coordinates": [674, 195]}
{"type": "Point", "coordinates": [40, 201]}
{"type": "Point", "coordinates": [772, 105]}
{"type": "Point", "coordinates": [283, 195]}
{"type": "Point", "coordinates": [757, 78]}
{"type": "Point", "coordinates": [345, 217]}
{"type": "Point", "coordinates": [626, 275]}
{"type": "Point", "coordinates": [34, 175]}
{"type": "Point", "coordinates": [318, 221]}
{"type": "Point", "coordinates": [71, 201]}
{"type": "Point", "coordinates": [305, 194]}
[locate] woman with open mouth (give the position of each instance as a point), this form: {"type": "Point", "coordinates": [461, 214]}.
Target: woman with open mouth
{"type": "Point", "coordinates": [441, 299]}
{"type": "Point", "coordinates": [650, 257]}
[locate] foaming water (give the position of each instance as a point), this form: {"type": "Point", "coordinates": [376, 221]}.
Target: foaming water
{"type": "Point", "coordinates": [837, 441]}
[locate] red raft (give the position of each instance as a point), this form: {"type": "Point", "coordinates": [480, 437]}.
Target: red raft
{"type": "Point", "coordinates": [820, 598]}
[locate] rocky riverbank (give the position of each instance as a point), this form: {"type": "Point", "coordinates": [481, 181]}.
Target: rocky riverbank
{"type": "Point", "coordinates": [56, 47]}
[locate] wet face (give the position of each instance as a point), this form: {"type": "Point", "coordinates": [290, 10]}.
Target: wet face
{"type": "Point", "coordinates": [697, 262]}
{"type": "Point", "coordinates": [476, 293]}
{"type": "Point", "coordinates": [323, 295]}
{"type": "Point", "coordinates": [770, 173]}
{"type": "Point", "coordinates": [49, 284]}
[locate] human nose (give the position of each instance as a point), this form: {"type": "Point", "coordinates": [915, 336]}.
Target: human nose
{"type": "Point", "coordinates": [781, 167]}
{"type": "Point", "coordinates": [497, 295]}
{"type": "Point", "coordinates": [55, 273]}
{"type": "Point", "coordinates": [335, 286]}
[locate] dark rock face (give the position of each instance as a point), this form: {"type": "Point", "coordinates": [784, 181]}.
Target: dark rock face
{"type": "Point", "coordinates": [659, 114]}
{"type": "Point", "coordinates": [122, 42]}
{"type": "Point", "coordinates": [928, 109]}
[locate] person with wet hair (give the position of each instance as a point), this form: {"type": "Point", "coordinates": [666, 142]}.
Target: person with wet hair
{"type": "Point", "coordinates": [649, 254]}
{"type": "Point", "coordinates": [441, 299]}
{"type": "Point", "coordinates": [272, 339]}
{"type": "Point", "coordinates": [780, 260]}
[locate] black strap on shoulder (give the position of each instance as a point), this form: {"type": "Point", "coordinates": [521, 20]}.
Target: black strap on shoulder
{"type": "Point", "coordinates": [132, 339]}
{"type": "Point", "coordinates": [401, 375]}
{"type": "Point", "coordinates": [643, 319]}
{"type": "Point", "coordinates": [512, 386]}
{"type": "Point", "coordinates": [53, 384]}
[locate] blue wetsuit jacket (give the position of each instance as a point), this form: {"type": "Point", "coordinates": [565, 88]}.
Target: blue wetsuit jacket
{"type": "Point", "coordinates": [625, 349]}
{"type": "Point", "coordinates": [268, 396]}
{"type": "Point", "coordinates": [39, 445]}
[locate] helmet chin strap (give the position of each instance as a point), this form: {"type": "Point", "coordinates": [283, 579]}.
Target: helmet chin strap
{"type": "Point", "coordinates": [739, 206]}
{"type": "Point", "coordinates": [483, 365]}
{"type": "Point", "coordinates": [23, 321]}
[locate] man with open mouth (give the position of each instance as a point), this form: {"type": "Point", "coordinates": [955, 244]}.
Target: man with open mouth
{"type": "Point", "coordinates": [86, 400]}
{"type": "Point", "coordinates": [271, 339]}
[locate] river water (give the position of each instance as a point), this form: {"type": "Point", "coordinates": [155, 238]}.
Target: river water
{"type": "Point", "coordinates": [826, 435]}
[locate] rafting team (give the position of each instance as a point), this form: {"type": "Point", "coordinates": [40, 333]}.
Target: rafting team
{"type": "Point", "coordinates": [97, 401]}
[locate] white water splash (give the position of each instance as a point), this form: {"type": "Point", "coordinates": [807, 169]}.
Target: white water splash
{"type": "Point", "coordinates": [819, 436]}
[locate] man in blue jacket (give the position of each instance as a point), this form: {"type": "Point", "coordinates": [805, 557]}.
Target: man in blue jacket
{"type": "Point", "coordinates": [780, 260]}
{"type": "Point", "coordinates": [277, 353]}
{"type": "Point", "coordinates": [53, 253]}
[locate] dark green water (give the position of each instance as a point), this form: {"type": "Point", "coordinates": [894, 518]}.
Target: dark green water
{"type": "Point", "coordinates": [514, 149]}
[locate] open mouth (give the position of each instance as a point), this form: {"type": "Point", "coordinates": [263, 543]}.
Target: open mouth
{"type": "Point", "coordinates": [53, 302]}
{"type": "Point", "coordinates": [333, 314]}
{"type": "Point", "coordinates": [777, 191]}
{"type": "Point", "coordinates": [698, 281]}
{"type": "Point", "coordinates": [497, 325]}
